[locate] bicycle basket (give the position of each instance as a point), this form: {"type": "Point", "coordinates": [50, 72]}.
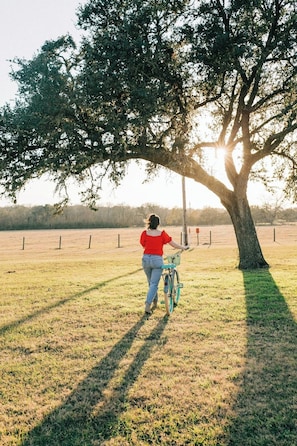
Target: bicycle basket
{"type": "Point", "coordinates": [175, 258]}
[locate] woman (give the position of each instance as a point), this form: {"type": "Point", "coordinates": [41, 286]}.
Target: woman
{"type": "Point", "coordinates": [153, 240]}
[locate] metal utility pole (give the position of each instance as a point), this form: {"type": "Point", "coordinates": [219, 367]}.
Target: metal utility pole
{"type": "Point", "coordinates": [185, 230]}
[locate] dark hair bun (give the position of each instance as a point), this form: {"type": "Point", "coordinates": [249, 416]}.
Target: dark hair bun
{"type": "Point", "coordinates": [153, 221]}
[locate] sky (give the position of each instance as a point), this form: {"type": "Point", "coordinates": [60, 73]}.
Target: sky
{"type": "Point", "coordinates": [24, 26]}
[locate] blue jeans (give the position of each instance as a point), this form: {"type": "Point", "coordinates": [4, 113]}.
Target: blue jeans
{"type": "Point", "coordinates": [152, 267]}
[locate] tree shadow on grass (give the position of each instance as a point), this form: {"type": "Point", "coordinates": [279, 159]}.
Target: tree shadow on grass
{"type": "Point", "coordinates": [265, 411]}
{"type": "Point", "coordinates": [91, 414]}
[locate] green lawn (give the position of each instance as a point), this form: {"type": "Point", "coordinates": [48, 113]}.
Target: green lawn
{"type": "Point", "coordinates": [82, 366]}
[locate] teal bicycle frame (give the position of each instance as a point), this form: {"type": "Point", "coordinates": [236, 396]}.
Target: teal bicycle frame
{"type": "Point", "coordinates": [172, 285]}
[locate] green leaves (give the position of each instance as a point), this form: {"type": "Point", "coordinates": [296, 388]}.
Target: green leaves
{"type": "Point", "coordinates": [145, 80]}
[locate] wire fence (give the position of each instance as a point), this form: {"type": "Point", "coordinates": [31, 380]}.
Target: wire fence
{"type": "Point", "coordinates": [128, 238]}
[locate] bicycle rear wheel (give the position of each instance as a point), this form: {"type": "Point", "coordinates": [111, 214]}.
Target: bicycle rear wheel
{"type": "Point", "coordinates": [173, 295]}
{"type": "Point", "coordinates": [176, 288]}
{"type": "Point", "coordinates": [168, 294]}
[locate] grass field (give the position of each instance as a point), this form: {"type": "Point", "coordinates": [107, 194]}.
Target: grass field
{"type": "Point", "coordinates": [81, 366]}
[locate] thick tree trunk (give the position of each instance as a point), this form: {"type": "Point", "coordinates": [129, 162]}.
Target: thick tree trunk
{"type": "Point", "coordinates": [250, 253]}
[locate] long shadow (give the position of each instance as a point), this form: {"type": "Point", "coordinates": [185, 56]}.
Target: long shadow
{"type": "Point", "coordinates": [266, 408]}
{"type": "Point", "coordinates": [61, 302]}
{"type": "Point", "coordinates": [90, 415]}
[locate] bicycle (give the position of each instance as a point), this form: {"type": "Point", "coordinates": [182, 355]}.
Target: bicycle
{"type": "Point", "coordinates": [172, 285]}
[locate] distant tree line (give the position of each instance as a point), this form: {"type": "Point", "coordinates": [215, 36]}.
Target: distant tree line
{"type": "Point", "coordinates": [79, 216]}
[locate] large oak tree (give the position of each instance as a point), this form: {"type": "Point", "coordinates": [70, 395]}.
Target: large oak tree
{"type": "Point", "coordinates": [166, 81]}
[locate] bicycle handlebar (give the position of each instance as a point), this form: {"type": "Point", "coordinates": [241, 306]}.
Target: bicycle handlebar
{"type": "Point", "coordinates": [174, 259]}
{"type": "Point", "coordinates": [181, 250]}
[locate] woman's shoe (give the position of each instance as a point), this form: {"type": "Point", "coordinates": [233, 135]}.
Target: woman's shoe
{"type": "Point", "coordinates": [155, 304]}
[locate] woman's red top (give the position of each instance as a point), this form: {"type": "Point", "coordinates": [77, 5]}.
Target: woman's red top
{"type": "Point", "coordinates": [153, 244]}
